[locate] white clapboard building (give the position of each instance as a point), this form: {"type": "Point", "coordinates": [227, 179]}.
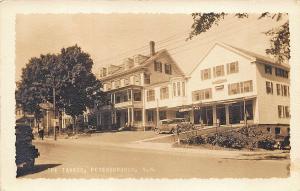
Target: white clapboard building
{"type": "Point", "coordinates": [229, 86]}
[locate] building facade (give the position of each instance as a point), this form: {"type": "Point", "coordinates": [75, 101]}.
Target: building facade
{"type": "Point", "coordinates": [229, 86]}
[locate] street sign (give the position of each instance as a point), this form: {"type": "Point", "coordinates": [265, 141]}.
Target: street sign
{"type": "Point", "coordinates": [46, 106]}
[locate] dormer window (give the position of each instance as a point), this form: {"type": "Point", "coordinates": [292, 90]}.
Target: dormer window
{"type": "Point", "coordinates": [168, 69]}
{"type": "Point", "coordinates": [157, 66]}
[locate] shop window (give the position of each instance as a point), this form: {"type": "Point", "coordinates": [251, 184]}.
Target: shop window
{"type": "Point", "coordinates": [162, 115]}
{"type": "Point", "coordinates": [277, 130]}
{"type": "Point", "coordinates": [138, 115]}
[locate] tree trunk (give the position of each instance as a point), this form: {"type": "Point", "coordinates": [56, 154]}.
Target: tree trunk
{"type": "Point", "coordinates": [74, 121]}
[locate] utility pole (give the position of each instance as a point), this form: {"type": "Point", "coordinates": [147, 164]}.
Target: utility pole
{"type": "Point", "coordinates": [54, 109]}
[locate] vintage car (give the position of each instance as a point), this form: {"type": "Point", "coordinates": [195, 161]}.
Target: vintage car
{"type": "Point", "coordinates": [175, 125]}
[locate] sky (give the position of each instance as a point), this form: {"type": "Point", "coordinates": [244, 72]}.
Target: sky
{"type": "Point", "coordinates": [110, 38]}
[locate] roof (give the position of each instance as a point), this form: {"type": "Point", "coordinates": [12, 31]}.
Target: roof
{"type": "Point", "coordinates": [141, 66]}
{"type": "Point", "coordinates": [248, 54]}
{"type": "Point", "coordinates": [259, 57]}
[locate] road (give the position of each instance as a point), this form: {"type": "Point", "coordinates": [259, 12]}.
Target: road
{"type": "Point", "coordinates": [109, 156]}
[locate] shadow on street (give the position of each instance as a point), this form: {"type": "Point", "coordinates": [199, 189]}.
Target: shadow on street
{"type": "Point", "coordinates": [35, 169]}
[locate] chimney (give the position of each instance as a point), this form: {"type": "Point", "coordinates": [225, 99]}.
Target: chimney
{"type": "Point", "coordinates": [152, 48]}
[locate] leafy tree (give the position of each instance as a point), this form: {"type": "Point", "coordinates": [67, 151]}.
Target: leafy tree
{"type": "Point", "coordinates": [67, 75]}
{"type": "Point", "coordinates": [31, 91]}
{"type": "Point", "coordinates": [280, 42]}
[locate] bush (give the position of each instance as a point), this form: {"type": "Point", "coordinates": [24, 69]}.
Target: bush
{"type": "Point", "coordinates": [266, 144]}
{"type": "Point", "coordinates": [246, 137]}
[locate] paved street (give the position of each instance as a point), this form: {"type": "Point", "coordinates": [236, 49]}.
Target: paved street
{"type": "Point", "coordinates": [130, 154]}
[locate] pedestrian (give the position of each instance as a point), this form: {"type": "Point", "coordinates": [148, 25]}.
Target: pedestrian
{"type": "Point", "coordinates": [42, 134]}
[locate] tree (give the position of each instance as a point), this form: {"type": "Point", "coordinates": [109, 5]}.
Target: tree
{"type": "Point", "coordinates": [30, 90]}
{"type": "Point", "coordinates": [67, 76]}
{"type": "Point", "coordinates": [280, 42]}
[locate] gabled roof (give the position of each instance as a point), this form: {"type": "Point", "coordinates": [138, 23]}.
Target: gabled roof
{"type": "Point", "coordinates": [159, 54]}
{"type": "Point", "coordinates": [254, 57]}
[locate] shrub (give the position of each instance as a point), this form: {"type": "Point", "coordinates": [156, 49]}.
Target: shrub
{"type": "Point", "coordinates": [266, 144]}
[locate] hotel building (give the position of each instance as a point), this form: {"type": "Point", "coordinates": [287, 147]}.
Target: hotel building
{"type": "Point", "coordinates": [229, 86]}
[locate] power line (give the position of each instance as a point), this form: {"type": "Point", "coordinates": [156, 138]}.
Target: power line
{"type": "Point", "coordinates": [228, 29]}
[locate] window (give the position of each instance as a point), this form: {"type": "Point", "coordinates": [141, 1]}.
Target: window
{"type": "Point", "coordinates": [150, 95]}
{"type": "Point", "coordinates": [278, 89]}
{"type": "Point", "coordinates": [174, 89]}
{"type": "Point", "coordinates": [150, 115]}
{"type": "Point", "coordinates": [162, 115]}
{"type": "Point", "coordinates": [168, 69]}
{"type": "Point", "coordinates": [164, 93]}
{"type": "Point", "coordinates": [269, 87]}
{"type": "Point", "coordinates": [219, 71]}
{"type": "Point", "coordinates": [138, 115]}
{"type": "Point", "coordinates": [157, 66]}
{"type": "Point", "coordinates": [233, 88]}
{"type": "Point", "coordinates": [280, 111]}
{"type": "Point", "coordinates": [268, 69]}
{"type": "Point", "coordinates": [232, 67]}
{"type": "Point", "coordinates": [178, 89]}
{"type": "Point", "coordinates": [137, 96]}
{"type": "Point", "coordinates": [248, 87]}
{"type": "Point", "coordinates": [183, 89]}
{"type": "Point", "coordinates": [117, 83]}
{"type": "Point", "coordinates": [146, 78]}
{"type": "Point", "coordinates": [287, 111]}
{"type": "Point", "coordinates": [205, 74]}
{"type": "Point", "coordinates": [269, 129]}
{"type": "Point", "coordinates": [281, 73]}
{"type": "Point", "coordinates": [202, 94]}
{"type": "Point", "coordinates": [241, 87]}
{"type": "Point", "coordinates": [285, 91]}
{"type": "Point", "coordinates": [277, 130]}
{"type": "Point", "coordinates": [108, 86]}
{"type": "Point", "coordinates": [137, 79]}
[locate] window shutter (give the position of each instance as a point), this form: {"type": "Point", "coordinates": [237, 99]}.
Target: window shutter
{"type": "Point", "coordinates": [214, 71]}
{"type": "Point", "coordinates": [160, 64]}
{"type": "Point", "coordinates": [227, 65]}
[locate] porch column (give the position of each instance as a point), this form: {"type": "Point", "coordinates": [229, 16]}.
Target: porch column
{"type": "Point", "coordinates": [144, 118]}
{"type": "Point", "coordinates": [128, 116]}
{"type": "Point", "coordinates": [214, 114]}
{"type": "Point", "coordinates": [47, 121]}
{"type": "Point", "coordinates": [192, 117]}
{"type": "Point", "coordinates": [132, 116]}
{"type": "Point", "coordinates": [157, 113]}
{"type": "Point", "coordinates": [227, 114]}
{"type": "Point", "coordinates": [131, 94]}
{"type": "Point", "coordinates": [114, 98]}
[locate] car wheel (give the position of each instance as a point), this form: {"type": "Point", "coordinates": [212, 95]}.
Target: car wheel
{"type": "Point", "coordinates": [173, 131]}
{"type": "Point", "coordinates": [157, 131]}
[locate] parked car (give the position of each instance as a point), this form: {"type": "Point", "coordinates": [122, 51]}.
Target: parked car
{"type": "Point", "coordinates": [175, 125]}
